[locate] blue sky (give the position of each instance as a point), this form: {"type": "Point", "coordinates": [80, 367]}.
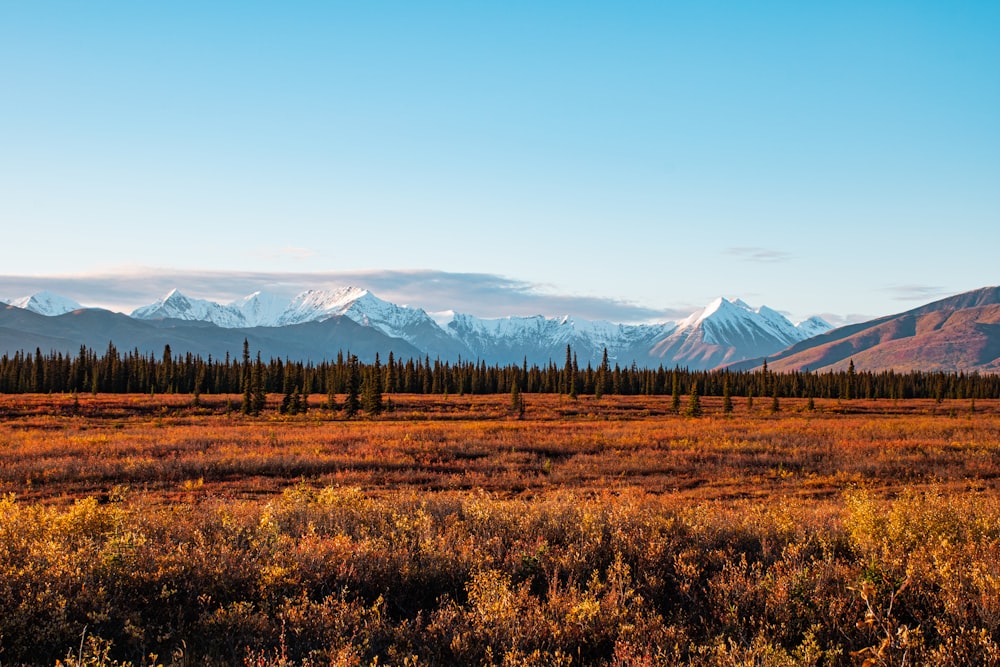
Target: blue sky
{"type": "Point", "coordinates": [628, 159]}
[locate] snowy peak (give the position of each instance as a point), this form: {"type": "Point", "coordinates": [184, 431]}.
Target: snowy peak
{"type": "Point", "coordinates": [719, 310]}
{"type": "Point", "coordinates": [175, 305]}
{"type": "Point", "coordinates": [724, 331]}
{"type": "Point", "coordinates": [314, 305]}
{"type": "Point", "coordinates": [260, 309]}
{"type": "Point", "coordinates": [722, 319]}
{"type": "Point", "coordinates": [729, 330]}
{"type": "Point", "coordinates": [46, 303]}
{"type": "Point", "coordinates": [814, 326]}
{"type": "Point", "coordinates": [541, 339]}
{"type": "Point", "coordinates": [362, 307]}
{"type": "Point", "coordinates": [267, 310]}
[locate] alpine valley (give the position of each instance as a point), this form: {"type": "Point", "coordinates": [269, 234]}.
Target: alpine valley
{"type": "Point", "coordinates": [317, 324]}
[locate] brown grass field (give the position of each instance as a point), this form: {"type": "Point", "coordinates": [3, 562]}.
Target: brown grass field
{"type": "Point", "coordinates": [148, 530]}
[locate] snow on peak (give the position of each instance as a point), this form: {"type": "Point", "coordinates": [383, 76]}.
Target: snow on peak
{"type": "Point", "coordinates": [46, 303]}
{"type": "Point", "coordinates": [314, 305]}
{"type": "Point", "coordinates": [268, 310]}
{"type": "Point", "coordinates": [536, 337]}
{"type": "Point", "coordinates": [723, 323]}
{"type": "Point", "coordinates": [724, 320]}
{"type": "Point", "coordinates": [175, 305]}
{"type": "Point", "coordinates": [718, 309]}
{"type": "Point", "coordinates": [260, 309]}
{"type": "Point", "coordinates": [813, 326]}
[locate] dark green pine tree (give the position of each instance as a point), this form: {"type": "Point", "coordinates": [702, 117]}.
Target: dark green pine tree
{"type": "Point", "coordinates": [371, 390]}
{"type": "Point", "coordinates": [675, 393]}
{"type": "Point", "coordinates": [573, 375]}
{"type": "Point", "coordinates": [287, 402]}
{"type": "Point", "coordinates": [850, 381]}
{"type": "Point", "coordinates": [694, 403]}
{"type": "Point", "coordinates": [351, 402]}
{"type": "Point", "coordinates": [603, 382]}
{"type": "Point", "coordinates": [516, 400]}
{"type": "Point", "coordinates": [567, 374]}
{"type": "Point", "coordinates": [246, 381]}
{"type": "Point", "coordinates": [391, 377]}
{"type": "Point", "coordinates": [727, 399]}
{"type": "Point", "coordinates": [258, 398]}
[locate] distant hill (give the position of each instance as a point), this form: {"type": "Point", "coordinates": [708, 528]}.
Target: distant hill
{"type": "Point", "coordinates": [957, 334]}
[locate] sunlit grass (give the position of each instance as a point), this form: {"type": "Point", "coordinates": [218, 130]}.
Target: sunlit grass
{"type": "Point", "coordinates": [452, 532]}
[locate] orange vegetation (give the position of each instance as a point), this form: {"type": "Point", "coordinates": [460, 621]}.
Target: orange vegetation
{"type": "Point", "coordinates": [451, 531]}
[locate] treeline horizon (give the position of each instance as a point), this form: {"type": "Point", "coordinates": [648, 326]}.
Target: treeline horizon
{"type": "Point", "coordinates": [131, 372]}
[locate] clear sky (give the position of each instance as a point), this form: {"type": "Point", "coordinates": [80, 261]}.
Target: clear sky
{"type": "Point", "coordinates": [816, 157]}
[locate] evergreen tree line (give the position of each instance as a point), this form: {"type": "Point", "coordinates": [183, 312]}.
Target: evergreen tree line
{"type": "Point", "coordinates": [133, 372]}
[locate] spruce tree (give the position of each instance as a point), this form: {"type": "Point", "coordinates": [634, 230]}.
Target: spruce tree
{"type": "Point", "coordinates": [247, 406]}
{"type": "Point", "coordinates": [694, 403]}
{"type": "Point", "coordinates": [727, 400]}
{"type": "Point", "coordinates": [568, 380]}
{"type": "Point", "coordinates": [258, 398]}
{"type": "Point", "coordinates": [371, 393]}
{"type": "Point", "coordinates": [675, 394]}
{"type": "Point", "coordinates": [351, 402]}
{"type": "Point", "coordinates": [516, 402]}
{"type": "Point", "coordinates": [287, 401]}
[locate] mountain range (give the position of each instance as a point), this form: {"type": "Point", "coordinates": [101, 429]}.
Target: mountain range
{"type": "Point", "coordinates": [316, 324]}
{"type": "Point", "coordinates": [956, 334]}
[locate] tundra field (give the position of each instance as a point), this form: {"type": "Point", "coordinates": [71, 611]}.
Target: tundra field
{"type": "Point", "coordinates": [144, 530]}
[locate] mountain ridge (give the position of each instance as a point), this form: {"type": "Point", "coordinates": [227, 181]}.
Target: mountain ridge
{"type": "Point", "coordinates": [726, 329]}
{"type": "Point", "coordinates": [960, 333]}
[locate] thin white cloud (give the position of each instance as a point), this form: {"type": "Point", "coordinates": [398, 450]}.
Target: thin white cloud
{"type": "Point", "coordinates": [838, 320]}
{"type": "Point", "coordinates": [758, 254]}
{"type": "Point", "coordinates": [916, 292]}
{"type": "Point", "coordinates": [479, 294]}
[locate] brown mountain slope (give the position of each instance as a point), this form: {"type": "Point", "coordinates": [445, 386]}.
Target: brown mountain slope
{"type": "Point", "coordinates": [960, 333]}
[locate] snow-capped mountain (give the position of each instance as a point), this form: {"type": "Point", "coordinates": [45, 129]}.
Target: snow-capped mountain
{"type": "Point", "coordinates": [176, 306]}
{"type": "Point", "coordinates": [267, 310]}
{"type": "Point", "coordinates": [540, 339]}
{"type": "Point", "coordinates": [723, 332]}
{"type": "Point", "coordinates": [358, 304]}
{"type": "Point", "coordinates": [413, 325]}
{"type": "Point", "coordinates": [814, 326]}
{"type": "Point", "coordinates": [46, 303]}
{"type": "Point", "coordinates": [260, 309]}
{"type": "Point", "coordinates": [726, 331]}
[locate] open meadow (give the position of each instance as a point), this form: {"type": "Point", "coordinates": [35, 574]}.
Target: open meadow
{"type": "Point", "coordinates": [138, 529]}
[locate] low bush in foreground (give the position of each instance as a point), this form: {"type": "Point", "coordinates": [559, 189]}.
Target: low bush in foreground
{"type": "Point", "coordinates": [338, 576]}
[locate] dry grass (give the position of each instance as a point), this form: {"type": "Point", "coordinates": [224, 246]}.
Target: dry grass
{"type": "Point", "coordinates": [450, 532]}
